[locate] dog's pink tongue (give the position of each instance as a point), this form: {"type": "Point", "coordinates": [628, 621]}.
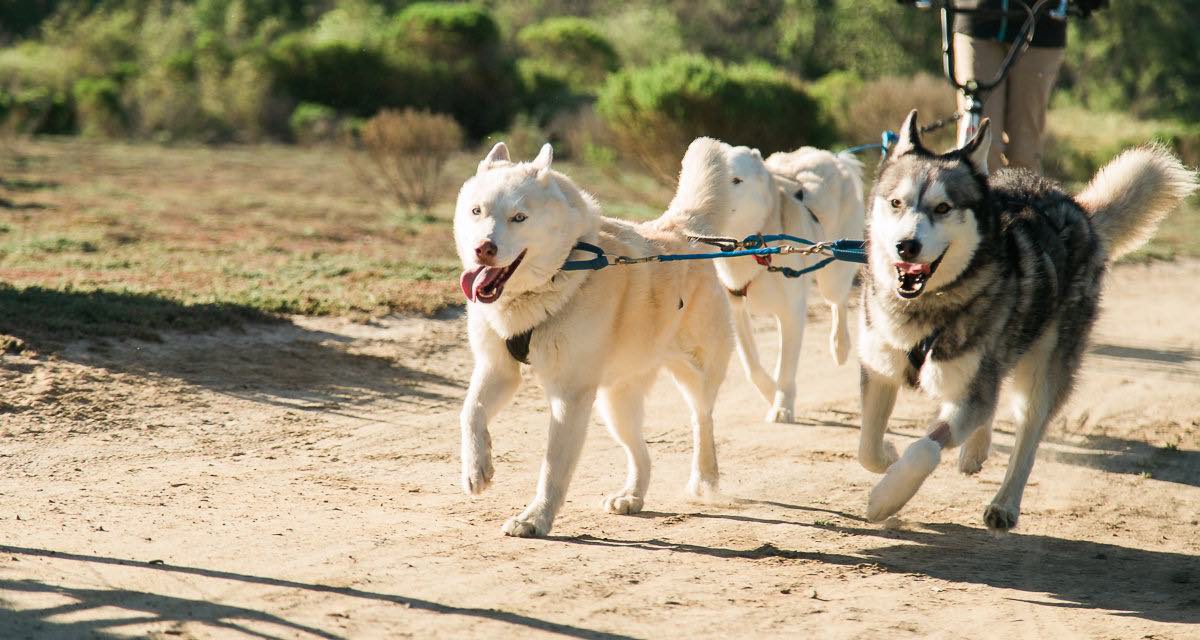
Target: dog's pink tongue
{"type": "Point", "coordinates": [912, 268]}
{"type": "Point", "coordinates": [467, 282]}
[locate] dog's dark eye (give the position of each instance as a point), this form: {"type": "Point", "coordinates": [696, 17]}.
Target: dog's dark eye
{"type": "Point", "coordinates": [799, 194]}
{"type": "Point", "coordinates": [896, 204]}
{"type": "Point", "coordinates": [942, 208]}
{"type": "Point", "coordinates": [520, 217]}
{"type": "Point", "coordinates": [737, 180]}
{"type": "Point", "coordinates": [476, 211]}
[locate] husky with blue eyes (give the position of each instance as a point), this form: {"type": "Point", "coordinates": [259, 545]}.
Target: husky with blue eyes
{"type": "Point", "coordinates": [589, 336]}
{"type": "Point", "coordinates": [975, 278]}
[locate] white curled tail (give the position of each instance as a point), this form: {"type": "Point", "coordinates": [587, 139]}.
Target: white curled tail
{"type": "Point", "coordinates": [1131, 195]}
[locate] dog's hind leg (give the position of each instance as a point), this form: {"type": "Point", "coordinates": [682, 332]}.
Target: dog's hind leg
{"type": "Point", "coordinates": [748, 351]}
{"type": "Point", "coordinates": [975, 450]}
{"type": "Point", "coordinates": [878, 400]}
{"type": "Point", "coordinates": [1041, 381]}
{"type": "Point", "coordinates": [699, 382]}
{"type": "Point", "coordinates": [569, 413]}
{"type": "Point", "coordinates": [622, 408]}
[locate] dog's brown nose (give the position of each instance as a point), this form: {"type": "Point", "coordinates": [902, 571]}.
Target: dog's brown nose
{"type": "Point", "coordinates": [485, 252]}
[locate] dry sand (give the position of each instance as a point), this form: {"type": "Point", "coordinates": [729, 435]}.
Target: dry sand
{"type": "Point", "coordinates": [301, 481]}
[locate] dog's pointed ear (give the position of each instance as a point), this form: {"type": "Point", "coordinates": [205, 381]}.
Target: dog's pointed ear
{"type": "Point", "coordinates": [757, 153]}
{"type": "Point", "coordinates": [910, 136]}
{"type": "Point", "coordinates": [542, 162]}
{"type": "Point", "coordinates": [976, 150]}
{"type": "Point", "coordinates": [499, 153]}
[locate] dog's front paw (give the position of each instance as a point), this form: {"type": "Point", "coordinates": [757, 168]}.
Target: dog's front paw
{"type": "Point", "coordinates": [703, 488]}
{"type": "Point", "coordinates": [623, 503]}
{"type": "Point", "coordinates": [971, 461]}
{"type": "Point", "coordinates": [903, 479]}
{"type": "Point", "coordinates": [879, 461]}
{"type": "Point", "coordinates": [1000, 518]}
{"type": "Point", "coordinates": [518, 527]}
{"type": "Point", "coordinates": [781, 415]}
{"type": "Point", "coordinates": [477, 475]}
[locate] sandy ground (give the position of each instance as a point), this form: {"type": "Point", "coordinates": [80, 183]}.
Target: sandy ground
{"type": "Point", "coordinates": [300, 481]}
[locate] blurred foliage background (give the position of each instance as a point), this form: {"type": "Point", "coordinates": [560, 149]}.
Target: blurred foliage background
{"type": "Point", "coordinates": [600, 78]}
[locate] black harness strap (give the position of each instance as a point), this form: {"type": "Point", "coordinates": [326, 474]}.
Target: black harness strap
{"type": "Point", "coordinates": [518, 346]}
{"type": "Point", "coordinates": [920, 352]}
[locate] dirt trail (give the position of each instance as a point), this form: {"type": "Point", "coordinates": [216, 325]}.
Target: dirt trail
{"type": "Point", "coordinates": [301, 481]}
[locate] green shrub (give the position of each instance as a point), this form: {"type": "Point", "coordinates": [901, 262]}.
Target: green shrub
{"type": "Point", "coordinates": [446, 29]}
{"type": "Point", "coordinates": [655, 111]}
{"type": "Point", "coordinates": [312, 122]}
{"type": "Point", "coordinates": [98, 108]}
{"type": "Point", "coordinates": [572, 49]}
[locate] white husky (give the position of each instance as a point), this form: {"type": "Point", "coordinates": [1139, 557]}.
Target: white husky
{"type": "Point", "coordinates": [809, 193]}
{"type": "Point", "coordinates": [590, 336]}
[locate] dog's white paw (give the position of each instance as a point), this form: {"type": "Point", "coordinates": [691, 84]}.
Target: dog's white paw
{"type": "Point", "coordinates": [999, 517]}
{"type": "Point", "coordinates": [903, 479]}
{"type": "Point", "coordinates": [477, 475]}
{"type": "Point", "coordinates": [702, 488]}
{"type": "Point", "coordinates": [519, 527]}
{"type": "Point", "coordinates": [782, 415]}
{"type": "Point", "coordinates": [879, 461]}
{"type": "Point", "coordinates": [623, 503]}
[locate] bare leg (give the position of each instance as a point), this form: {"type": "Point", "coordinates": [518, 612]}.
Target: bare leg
{"type": "Point", "coordinates": [878, 400]}
{"type": "Point", "coordinates": [569, 413]}
{"type": "Point", "coordinates": [623, 409]}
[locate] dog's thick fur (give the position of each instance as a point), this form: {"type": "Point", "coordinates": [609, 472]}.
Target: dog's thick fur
{"type": "Point", "coordinates": [808, 193]}
{"type": "Point", "coordinates": [597, 336]}
{"type": "Point", "coordinates": [973, 279]}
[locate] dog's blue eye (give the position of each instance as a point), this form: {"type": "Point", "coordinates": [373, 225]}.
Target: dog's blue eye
{"type": "Point", "coordinates": [941, 208]}
{"type": "Point", "coordinates": [520, 217]}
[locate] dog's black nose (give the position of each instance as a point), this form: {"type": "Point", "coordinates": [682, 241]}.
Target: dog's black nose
{"type": "Point", "coordinates": [908, 249]}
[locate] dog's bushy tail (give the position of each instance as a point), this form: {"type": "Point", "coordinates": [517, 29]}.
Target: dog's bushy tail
{"type": "Point", "coordinates": [1133, 193]}
{"type": "Point", "coordinates": [703, 188]}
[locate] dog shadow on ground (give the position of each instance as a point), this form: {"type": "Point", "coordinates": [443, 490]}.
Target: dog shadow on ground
{"type": "Point", "coordinates": [1152, 585]}
{"type": "Point", "coordinates": [1130, 457]}
{"type": "Point", "coordinates": [149, 608]}
{"type": "Point", "coordinates": [232, 349]}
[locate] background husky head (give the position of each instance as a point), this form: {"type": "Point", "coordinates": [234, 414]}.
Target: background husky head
{"type": "Point", "coordinates": [753, 194]}
{"type": "Point", "coordinates": [515, 224]}
{"type": "Point", "coordinates": [927, 213]}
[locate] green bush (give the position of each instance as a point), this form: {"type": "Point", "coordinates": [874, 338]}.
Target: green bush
{"type": "Point", "coordinates": [312, 122]}
{"type": "Point", "coordinates": [655, 111]}
{"type": "Point", "coordinates": [98, 108]}
{"type": "Point", "coordinates": [338, 74]}
{"type": "Point", "coordinates": [572, 49]}
{"type": "Point", "coordinates": [446, 28]}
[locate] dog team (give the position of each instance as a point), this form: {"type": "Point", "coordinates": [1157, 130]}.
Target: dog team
{"type": "Point", "coordinates": [973, 277]}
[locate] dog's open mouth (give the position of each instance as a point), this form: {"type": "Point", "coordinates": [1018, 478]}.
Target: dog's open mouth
{"type": "Point", "coordinates": [485, 284]}
{"type": "Point", "coordinates": [912, 276]}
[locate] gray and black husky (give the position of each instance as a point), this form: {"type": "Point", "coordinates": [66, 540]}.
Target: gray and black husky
{"type": "Point", "coordinates": [974, 278]}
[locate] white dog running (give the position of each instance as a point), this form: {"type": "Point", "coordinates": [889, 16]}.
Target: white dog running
{"type": "Point", "coordinates": [590, 336]}
{"type": "Point", "coordinates": [809, 193]}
